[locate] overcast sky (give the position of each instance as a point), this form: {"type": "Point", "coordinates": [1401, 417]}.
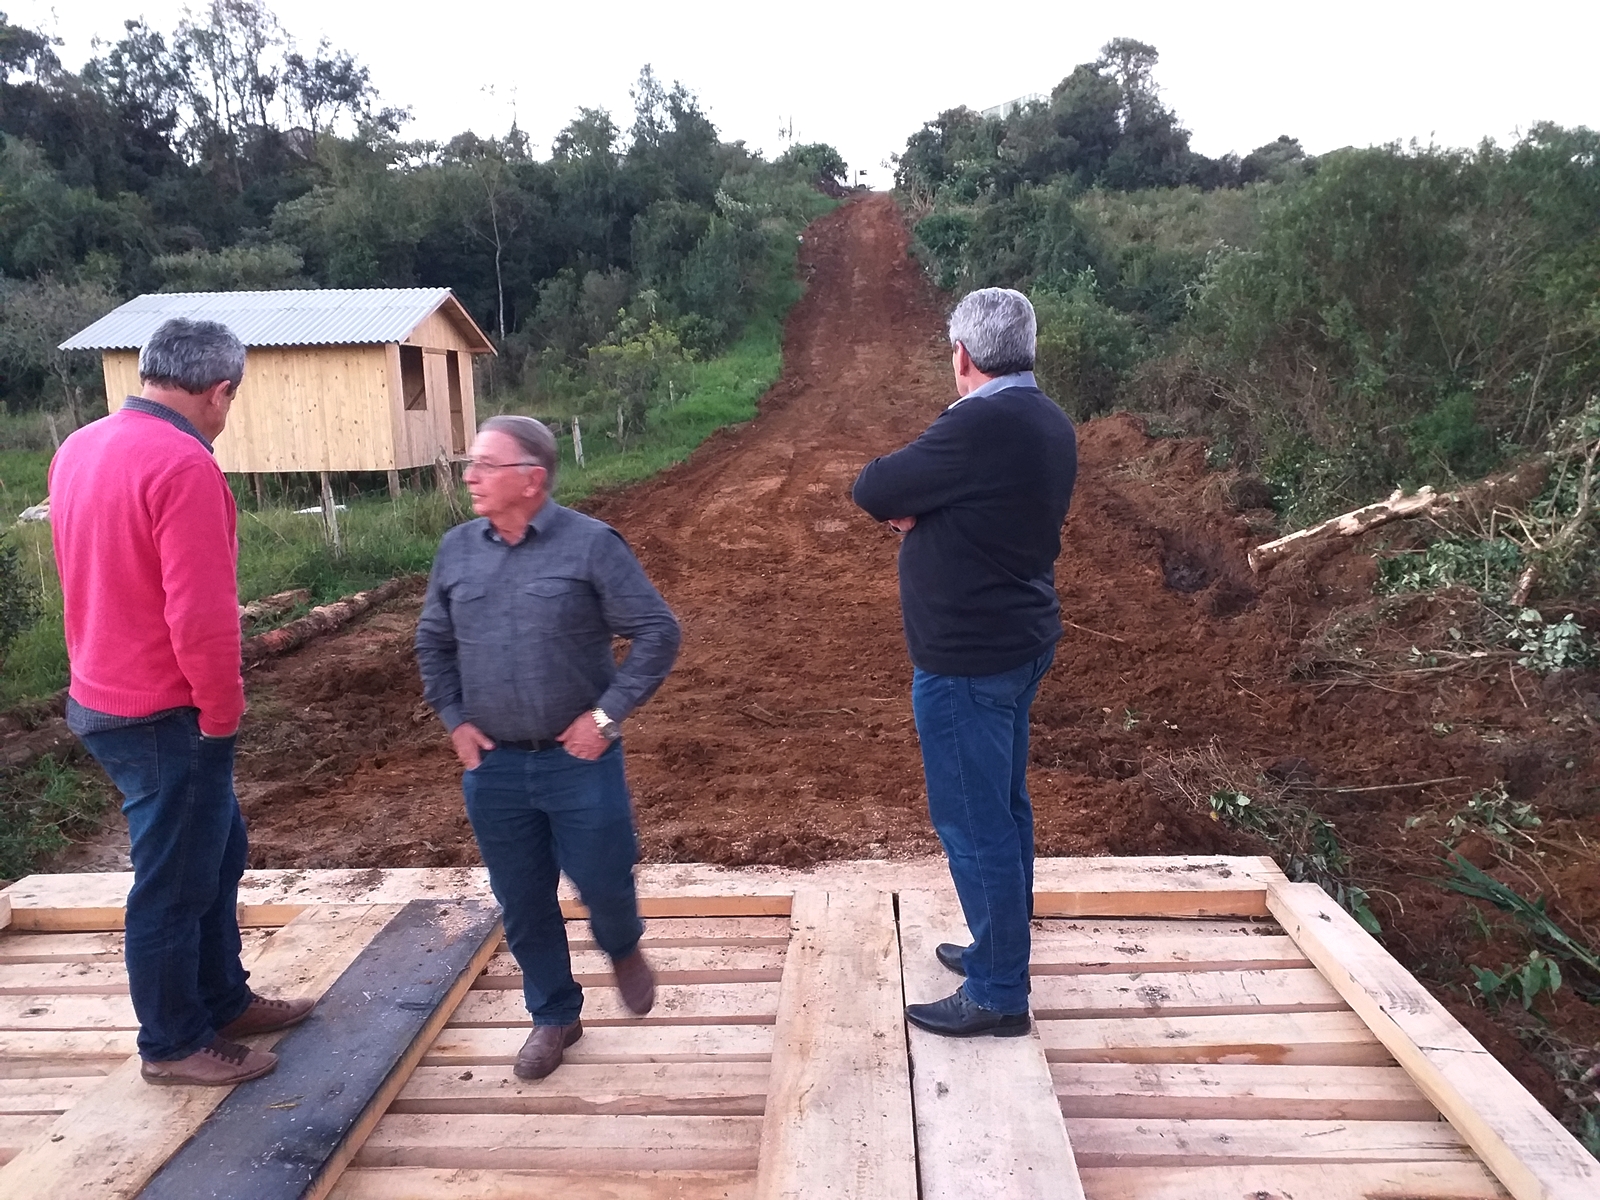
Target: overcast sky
{"type": "Point", "coordinates": [863, 76]}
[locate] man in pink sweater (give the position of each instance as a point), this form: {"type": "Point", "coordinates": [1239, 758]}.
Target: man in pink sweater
{"type": "Point", "coordinates": [146, 545]}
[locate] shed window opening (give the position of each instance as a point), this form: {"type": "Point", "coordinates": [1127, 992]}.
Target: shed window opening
{"type": "Point", "coordinates": [413, 380]}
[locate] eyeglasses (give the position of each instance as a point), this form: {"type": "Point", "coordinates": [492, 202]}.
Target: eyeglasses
{"type": "Point", "coordinates": [478, 464]}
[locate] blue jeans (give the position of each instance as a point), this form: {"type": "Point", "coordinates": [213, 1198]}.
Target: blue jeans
{"type": "Point", "coordinates": [974, 734]}
{"type": "Point", "coordinates": [189, 849]}
{"type": "Point", "coordinates": [535, 815]}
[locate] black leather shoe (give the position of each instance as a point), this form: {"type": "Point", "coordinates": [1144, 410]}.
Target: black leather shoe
{"type": "Point", "coordinates": [949, 956]}
{"type": "Point", "coordinates": [957, 1016]}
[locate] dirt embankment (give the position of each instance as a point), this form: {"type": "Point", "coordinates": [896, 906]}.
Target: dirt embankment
{"type": "Point", "coordinates": [785, 735]}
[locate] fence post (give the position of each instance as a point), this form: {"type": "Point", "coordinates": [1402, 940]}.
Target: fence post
{"type": "Point", "coordinates": [330, 514]}
{"type": "Point", "coordinates": [577, 442]}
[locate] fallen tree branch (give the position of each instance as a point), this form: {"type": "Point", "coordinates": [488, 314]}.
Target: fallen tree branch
{"type": "Point", "coordinates": [1425, 503]}
{"type": "Point", "coordinates": [323, 619]}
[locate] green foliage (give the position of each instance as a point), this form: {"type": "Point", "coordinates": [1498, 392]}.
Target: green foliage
{"type": "Point", "coordinates": [219, 157]}
{"type": "Point", "coordinates": [1307, 845]}
{"type": "Point", "coordinates": [20, 601]}
{"type": "Point", "coordinates": [1470, 880]}
{"type": "Point", "coordinates": [1085, 349]}
{"type": "Point", "coordinates": [258, 267]}
{"type": "Point", "coordinates": [41, 809]}
{"type": "Point", "coordinates": [1430, 308]}
{"type": "Point", "coordinates": [1550, 645]}
{"type": "Point", "coordinates": [1522, 982]}
{"type": "Point", "coordinates": [1488, 565]}
{"type": "Point", "coordinates": [1493, 812]}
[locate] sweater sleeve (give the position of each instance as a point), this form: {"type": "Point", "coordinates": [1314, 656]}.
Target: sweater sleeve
{"type": "Point", "coordinates": [192, 518]}
{"type": "Point", "coordinates": [932, 472]}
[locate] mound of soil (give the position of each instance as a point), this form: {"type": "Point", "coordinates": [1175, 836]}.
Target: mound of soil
{"type": "Point", "coordinates": [785, 736]}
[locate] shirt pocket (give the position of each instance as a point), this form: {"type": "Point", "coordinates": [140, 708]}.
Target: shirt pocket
{"type": "Point", "coordinates": [468, 609]}
{"type": "Point", "coordinates": [560, 604]}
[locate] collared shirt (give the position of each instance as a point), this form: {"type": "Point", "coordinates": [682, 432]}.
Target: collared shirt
{"type": "Point", "coordinates": [171, 416]}
{"type": "Point", "coordinates": [80, 719]}
{"type": "Point", "coordinates": [999, 384]}
{"type": "Point", "coordinates": [517, 638]}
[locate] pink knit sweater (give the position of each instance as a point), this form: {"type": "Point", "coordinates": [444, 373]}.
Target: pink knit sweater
{"type": "Point", "coordinates": [146, 541]}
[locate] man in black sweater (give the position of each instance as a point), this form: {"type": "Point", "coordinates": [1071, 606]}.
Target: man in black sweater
{"type": "Point", "coordinates": [979, 499]}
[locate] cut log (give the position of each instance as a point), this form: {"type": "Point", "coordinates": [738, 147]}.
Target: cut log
{"type": "Point", "coordinates": [323, 619]}
{"type": "Point", "coordinates": [273, 606]}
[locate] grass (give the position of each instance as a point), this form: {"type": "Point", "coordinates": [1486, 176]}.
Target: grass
{"type": "Point", "coordinates": [42, 808]}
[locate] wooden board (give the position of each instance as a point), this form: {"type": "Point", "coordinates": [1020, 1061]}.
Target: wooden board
{"type": "Point", "coordinates": [1193, 993]}
{"type": "Point", "coordinates": [423, 1183]}
{"type": "Point", "coordinates": [299, 1126]}
{"type": "Point", "coordinates": [691, 1089]}
{"type": "Point", "coordinates": [1339, 1039]}
{"type": "Point", "coordinates": [563, 1143]}
{"type": "Point", "coordinates": [1241, 1091]}
{"type": "Point", "coordinates": [1527, 1148]}
{"type": "Point", "coordinates": [1082, 952]}
{"type": "Point", "coordinates": [838, 1117]}
{"type": "Point", "coordinates": [1158, 885]}
{"type": "Point", "coordinates": [40, 1096]}
{"type": "Point", "coordinates": [676, 1004]}
{"type": "Point", "coordinates": [1114, 1142]}
{"type": "Point", "coordinates": [672, 964]}
{"type": "Point", "coordinates": [111, 1142]}
{"type": "Point", "coordinates": [498, 1046]}
{"type": "Point", "coordinates": [960, 1085]}
{"type": "Point", "coordinates": [1281, 1181]}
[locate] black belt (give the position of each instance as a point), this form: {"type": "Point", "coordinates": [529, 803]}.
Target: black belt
{"type": "Point", "coordinates": [527, 747]}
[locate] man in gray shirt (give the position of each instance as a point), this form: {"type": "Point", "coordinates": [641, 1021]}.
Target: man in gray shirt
{"type": "Point", "coordinates": [514, 645]}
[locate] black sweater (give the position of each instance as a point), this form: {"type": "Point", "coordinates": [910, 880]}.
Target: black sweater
{"type": "Point", "coordinates": [989, 483]}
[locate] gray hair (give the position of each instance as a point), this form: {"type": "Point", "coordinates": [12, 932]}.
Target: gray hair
{"type": "Point", "coordinates": [998, 328]}
{"type": "Point", "coordinates": [532, 437]}
{"type": "Point", "coordinates": [192, 356]}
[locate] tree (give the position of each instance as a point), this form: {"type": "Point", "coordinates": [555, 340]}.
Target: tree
{"type": "Point", "coordinates": [35, 317]}
{"type": "Point", "coordinates": [326, 85]}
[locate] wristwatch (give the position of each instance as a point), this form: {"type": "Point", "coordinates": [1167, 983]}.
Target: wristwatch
{"type": "Point", "coordinates": [608, 728]}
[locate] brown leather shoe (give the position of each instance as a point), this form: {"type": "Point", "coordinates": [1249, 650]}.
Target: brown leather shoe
{"type": "Point", "coordinates": [542, 1052]}
{"type": "Point", "coordinates": [265, 1016]}
{"type": "Point", "coordinates": [221, 1064]}
{"type": "Point", "coordinates": [637, 983]}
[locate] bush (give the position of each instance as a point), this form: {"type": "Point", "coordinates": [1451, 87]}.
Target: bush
{"type": "Point", "coordinates": [1085, 349]}
{"type": "Point", "coordinates": [20, 602]}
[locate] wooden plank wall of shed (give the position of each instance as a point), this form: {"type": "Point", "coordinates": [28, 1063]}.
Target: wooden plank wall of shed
{"type": "Point", "coordinates": [300, 408]}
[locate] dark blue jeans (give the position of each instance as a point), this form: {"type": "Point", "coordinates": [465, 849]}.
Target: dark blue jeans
{"type": "Point", "coordinates": [535, 815]}
{"type": "Point", "coordinates": [974, 734]}
{"type": "Point", "coordinates": [189, 849]}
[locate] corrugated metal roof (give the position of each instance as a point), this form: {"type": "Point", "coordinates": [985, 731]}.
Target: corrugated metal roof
{"type": "Point", "coordinates": [354, 316]}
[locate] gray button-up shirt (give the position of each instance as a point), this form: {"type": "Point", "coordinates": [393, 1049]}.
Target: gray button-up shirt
{"type": "Point", "coordinates": [517, 639]}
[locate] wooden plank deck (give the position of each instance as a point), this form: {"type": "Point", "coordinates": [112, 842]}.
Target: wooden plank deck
{"type": "Point", "coordinates": [1186, 1045]}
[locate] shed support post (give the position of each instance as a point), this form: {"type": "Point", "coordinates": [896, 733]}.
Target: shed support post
{"type": "Point", "coordinates": [330, 513]}
{"type": "Point", "coordinates": [255, 484]}
{"type": "Point", "coordinates": [394, 485]}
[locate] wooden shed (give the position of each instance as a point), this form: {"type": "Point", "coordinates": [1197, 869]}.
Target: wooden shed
{"type": "Point", "coordinates": [369, 379]}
